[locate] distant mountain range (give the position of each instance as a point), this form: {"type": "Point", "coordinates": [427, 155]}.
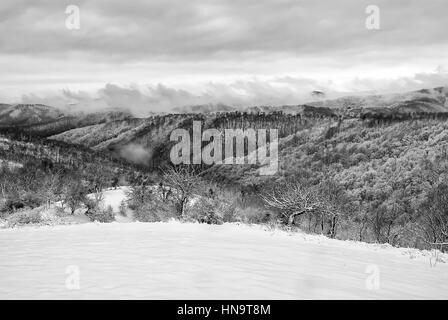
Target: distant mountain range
{"type": "Point", "coordinates": [146, 140]}
{"type": "Point", "coordinates": [205, 108]}
{"type": "Point", "coordinates": [27, 114]}
{"type": "Point", "coordinates": [425, 100]}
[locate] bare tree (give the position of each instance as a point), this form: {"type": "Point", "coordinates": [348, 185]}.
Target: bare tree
{"type": "Point", "coordinates": [185, 182]}
{"type": "Point", "coordinates": [292, 200]}
{"type": "Point", "coordinates": [363, 222]}
{"type": "Point", "coordinates": [50, 188]}
{"type": "Point", "coordinates": [73, 193]}
{"type": "Point", "coordinates": [333, 203]}
{"type": "Point", "coordinates": [434, 216]}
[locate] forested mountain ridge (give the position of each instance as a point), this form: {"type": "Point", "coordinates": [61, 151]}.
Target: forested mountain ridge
{"type": "Point", "coordinates": [119, 134]}
{"type": "Point", "coordinates": [432, 100]}
{"type": "Point", "coordinates": [387, 170]}
{"type": "Point", "coordinates": [27, 114]}
{"type": "Point", "coordinates": [145, 141]}
{"type": "Point", "coordinates": [42, 120]}
{"type": "Point", "coordinates": [32, 116]}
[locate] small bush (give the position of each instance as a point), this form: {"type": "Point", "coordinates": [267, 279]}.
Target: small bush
{"type": "Point", "coordinates": [256, 215]}
{"type": "Point", "coordinates": [205, 210]}
{"type": "Point", "coordinates": [60, 212]}
{"type": "Point", "coordinates": [229, 214]}
{"type": "Point", "coordinates": [31, 200]}
{"type": "Point", "coordinates": [226, 206]}
{"type": "Point", "coordinates": [100, 215]}
{"type": "Point", "coordinates": [151, 205]}
{"type": "Point", "coordinates": [155, 210]}
{"type": "Point", "coordinates": [13, 204]}
{"type": "Point", "coordinates": [214, 207]}
{"type": "Point", "coordinates": [24, 218]}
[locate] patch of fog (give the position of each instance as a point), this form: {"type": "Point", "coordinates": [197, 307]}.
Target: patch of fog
{"type": "Point", "coordinates": [136, 153]}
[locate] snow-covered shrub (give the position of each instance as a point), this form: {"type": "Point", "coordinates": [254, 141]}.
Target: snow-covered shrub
{"type": "Point", "coordinates": [148, 213]}
{"type": "Point", "coordinates": [215, 206]}
{"type": "Point", "coordinates": [95, 212]}
{"type": "Point", "coordinates": [205, 210]}
{"type": "Point", "coordinates": [24, 217]}
{"type": "Point", "coordinates": [228, 213]}
{"type": "Point", "coordinates": [226, 205]}
{"type": "Point", "coordinates": [59, 211]}
{"type": "Point", "coordinates": [154, 209]}
{"type": "Point", "coordinates": [275, 224]}
{"type": "Point", "coordinates": [101, 215]}
{"type": "Point", "coordinates": [256, 215]}
{"type": "Point", "coordinates": [151, 204]}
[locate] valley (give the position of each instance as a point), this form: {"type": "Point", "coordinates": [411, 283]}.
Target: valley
{"type": "Point", "coordinates": [384, 156]}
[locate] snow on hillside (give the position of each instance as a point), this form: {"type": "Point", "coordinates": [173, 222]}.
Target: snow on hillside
{"type": "Point", "coordinates": [196, 261]}
{"type": "Point", "coordinates": [114, 197]}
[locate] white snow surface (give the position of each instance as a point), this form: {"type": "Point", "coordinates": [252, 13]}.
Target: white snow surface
{"type": "Point", "coordinates": [195, 261]}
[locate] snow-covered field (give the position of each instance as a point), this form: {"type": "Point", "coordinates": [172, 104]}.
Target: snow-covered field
{"type": "Point", "coordinates": [192, 261]}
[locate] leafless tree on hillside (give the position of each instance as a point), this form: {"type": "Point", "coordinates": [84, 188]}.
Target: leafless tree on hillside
{"type": "Point", "coordinates": [292, 200]}
{"type": "Point", "coordinates": [185, 182]}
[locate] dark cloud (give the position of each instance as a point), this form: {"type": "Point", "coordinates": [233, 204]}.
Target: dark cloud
{"type": "Point", "coordinates": [225, 51]}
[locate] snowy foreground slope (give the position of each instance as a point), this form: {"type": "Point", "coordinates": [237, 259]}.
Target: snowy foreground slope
{"type": "Point", "coordinates": [193, 261]}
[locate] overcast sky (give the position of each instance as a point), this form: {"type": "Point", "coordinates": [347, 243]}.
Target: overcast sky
{"type": "Point", "coordinates": [155, 54]}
